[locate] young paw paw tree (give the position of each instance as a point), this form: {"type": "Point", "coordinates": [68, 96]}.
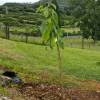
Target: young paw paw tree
{"type": "Point", "coordinates": [51, 29]}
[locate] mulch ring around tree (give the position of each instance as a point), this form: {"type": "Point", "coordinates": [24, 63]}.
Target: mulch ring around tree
{"type": "Point", "coordinates": [53, 92]}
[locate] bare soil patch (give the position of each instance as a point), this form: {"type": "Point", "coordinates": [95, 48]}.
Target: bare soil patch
{"type": "Point", "coordinates": [54, 92]}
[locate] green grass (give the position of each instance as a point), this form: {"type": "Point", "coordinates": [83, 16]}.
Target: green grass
{"type": "Point", "coordinates": [22, 38]}
{"type": "Point", "coordinates": [36, 63]}
{"type": "Point", "coordinates": [73, 42]}
{"type": "Point", "coordinates": [76, 42]}
{"type": "Point", "coordinates": [71, 30]}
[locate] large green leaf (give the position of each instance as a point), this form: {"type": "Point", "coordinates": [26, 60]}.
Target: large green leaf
{"type": "Point", "coordinates": [51, 32]}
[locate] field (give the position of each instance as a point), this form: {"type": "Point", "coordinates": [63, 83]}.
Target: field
{"type": "Point", "coordinates": [38, 63]}
{"type": "Point", "coordinates": [30, 69]}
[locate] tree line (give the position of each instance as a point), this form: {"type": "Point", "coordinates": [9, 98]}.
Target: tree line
{"type": "Point", "coordinates": [83, 14]}
{"type": "Point", "coordinates": [87, 13]}
{"type": "Point", "coordinates": [20, 16]}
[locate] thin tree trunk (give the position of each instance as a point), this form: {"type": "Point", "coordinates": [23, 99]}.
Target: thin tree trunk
{"type": "Point", "coordinates": [59, 62]}
{"type": "Point", "coordinates": [26, 37]}
{"type": "Point", "coordinates": [89, 43]}
{"type": "Point", "coordinates": [8, 33]}
{"type": "Point", "coordinates": [82, 42]}
{"type": "Point", "coordinates": [94, 40]}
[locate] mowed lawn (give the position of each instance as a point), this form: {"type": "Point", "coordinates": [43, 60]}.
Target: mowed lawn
{"type": "Point", "coordinates": [39, 63]}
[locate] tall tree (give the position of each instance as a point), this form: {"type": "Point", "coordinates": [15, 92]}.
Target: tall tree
{"type": "Point", "coordinates": [87, 13]}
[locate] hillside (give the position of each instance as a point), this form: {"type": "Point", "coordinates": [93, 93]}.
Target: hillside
{"type": "Point", "coordinates": [52, 53]}
{"type": "Point", "coordinates": [21, 12]}
{"type": "Point", "coordinates": [62, 3]}
{"type": "Point", "coordinates": [20, 17]}
{"type": "Point", "coordinates": [31, 60]}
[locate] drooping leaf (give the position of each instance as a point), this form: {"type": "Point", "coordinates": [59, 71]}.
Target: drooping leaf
{"type": "Point", "coordinates": [51, 32]}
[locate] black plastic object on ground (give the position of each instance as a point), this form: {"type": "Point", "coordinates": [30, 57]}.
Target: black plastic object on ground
{"type": "Point", "coordinates": [13, 76]}
{"type": "Point", "coordinates": [9, 74]}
